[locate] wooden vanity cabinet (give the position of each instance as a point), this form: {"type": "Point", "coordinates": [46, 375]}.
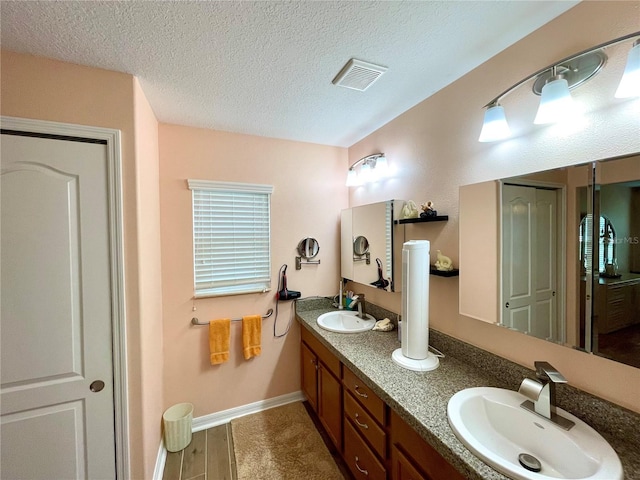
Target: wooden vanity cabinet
{"type": "Point", "coordinates": [374, 442]}
{"type": "Point", "coordinates": [321, 384]}
{"type": "Point", "coordinates": [617, 304]}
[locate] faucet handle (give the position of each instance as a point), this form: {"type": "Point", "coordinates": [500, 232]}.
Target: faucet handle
{"type": "Point", "coordinates": [545, 370]}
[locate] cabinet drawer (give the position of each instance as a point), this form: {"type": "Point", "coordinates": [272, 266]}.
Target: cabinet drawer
{"type": "Point", "coordinates": [369, 400]}
{"type": "Point", "coordinates": [365, 424]}
{"type": "Point", "coordinates": [359, 457]}
{"type": "Point", "coordinates": [323, 353]}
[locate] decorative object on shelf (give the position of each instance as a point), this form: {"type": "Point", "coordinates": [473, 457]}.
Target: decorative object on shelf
{"type": "Point", "coordinates": [372, 168]}
{"type": "Point", "coordinates": [384, 325]}
{"type": "Point", "coordinates": [611, 270]}
{"type": "Point", "coordinates": [443, 263]}
{"type": "Point", "coordinates": [409, 210]}
{"type": "Point", "coordinates": [553, 83]}
{"type": "Point", "coordinates": [428, 210]}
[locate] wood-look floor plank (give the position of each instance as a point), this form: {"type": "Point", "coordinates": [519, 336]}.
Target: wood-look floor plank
{"type": "Point", "coordinates": [172, 466]}
{"type": "Point", "coordinates": [232, 453]}
{"type": "Point", "coordinates": [194, 457]}
{"type": "Point", "coordinates": [218, 453]}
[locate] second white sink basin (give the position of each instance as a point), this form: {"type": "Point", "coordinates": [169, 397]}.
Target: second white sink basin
{"type": "Point", "coordinates": [490, 422]}
{"type": "Point", "coordinates": [345, 322]}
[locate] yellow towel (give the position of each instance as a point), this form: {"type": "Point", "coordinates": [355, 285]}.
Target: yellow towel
{"type": "Point", "coordinates": [219, 333]}
{"type": "Point", "coordinates": [251, 336]}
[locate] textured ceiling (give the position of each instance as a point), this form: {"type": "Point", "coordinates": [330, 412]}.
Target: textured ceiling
{"type": "Point", "coordinates": [265, 68]}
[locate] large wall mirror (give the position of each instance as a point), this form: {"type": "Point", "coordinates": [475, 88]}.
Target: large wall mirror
{"type": "Point", "coordinates": [369, 240]}
{"type": "Point", "coordinates": [556, 255]}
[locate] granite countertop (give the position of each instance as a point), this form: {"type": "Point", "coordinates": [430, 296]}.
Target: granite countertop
{"type": "Point", "coordinates": [421, 398]}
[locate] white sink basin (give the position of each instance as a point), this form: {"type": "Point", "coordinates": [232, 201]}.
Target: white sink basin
{"type": "Point", "coordinates": [345, 322]}
{"type": "Point", "coordinates": [491, 423]}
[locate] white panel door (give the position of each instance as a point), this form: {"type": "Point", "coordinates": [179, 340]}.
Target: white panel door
{"type": "Point", "coordinates": [518, 256]}
{"type": "Point", "coordinates": [546, 265]}
{"type": "Point", "coordinates": [56, 359]}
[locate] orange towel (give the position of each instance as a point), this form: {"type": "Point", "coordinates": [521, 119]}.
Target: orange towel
{"type": "Point", "coordinates": [219, 334]}
{"type": "Point", "coordinates": [251, 336]}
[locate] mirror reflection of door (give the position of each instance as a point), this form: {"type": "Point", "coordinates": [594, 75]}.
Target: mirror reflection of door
{"type": "Point", "coordinates": [531, 261]}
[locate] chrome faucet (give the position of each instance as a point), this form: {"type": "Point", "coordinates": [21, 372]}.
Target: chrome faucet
{"type": "Point", "coordinates": [542, 393]}
{"type": "Point", "coordinates": [361, 307]}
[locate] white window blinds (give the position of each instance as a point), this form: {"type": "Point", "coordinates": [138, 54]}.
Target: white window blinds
{"type": "Point", "coordinates": [231, 237]}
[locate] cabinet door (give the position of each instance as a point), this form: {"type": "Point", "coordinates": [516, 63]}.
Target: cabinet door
{"type": "Point", "coordinates": [330, 404]}
{"type": "Point", "coordinates": [403, 468]}
{"type": "Point", "coordinates": [309, 376]}
{"type": "Point", "coordinates": [418, 454]}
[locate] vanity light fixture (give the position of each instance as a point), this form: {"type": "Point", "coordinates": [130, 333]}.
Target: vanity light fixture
{"type": "Point", "coordinates": [372, 168]}
{"type": "Point", "coordinates": [554, 82]}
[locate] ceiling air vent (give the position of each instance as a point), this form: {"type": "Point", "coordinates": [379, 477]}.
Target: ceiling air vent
{"type": "Point", "coordinates": [358, 75]}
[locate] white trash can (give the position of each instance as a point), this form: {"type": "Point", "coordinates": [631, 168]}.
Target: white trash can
{"type": "Point", "coordinates": [177, 426]}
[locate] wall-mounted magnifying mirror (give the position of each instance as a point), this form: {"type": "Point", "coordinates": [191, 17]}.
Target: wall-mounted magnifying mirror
{"type": "Point", "coordinates": [360, 246]}
{"type": "Point", "coordinates": [308, 248]}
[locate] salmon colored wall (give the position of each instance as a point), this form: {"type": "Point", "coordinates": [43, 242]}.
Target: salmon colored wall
{"type": "Point", "coordinates": [149, 268]}
{"type": "Point", "coordinates": [479, 239]}
{"type": "Point", "coordinates": [434, 149]}
{"type": "Point", "coordinates": [308, 195]}
{"type": "Point", "coordinates": [44, 89]}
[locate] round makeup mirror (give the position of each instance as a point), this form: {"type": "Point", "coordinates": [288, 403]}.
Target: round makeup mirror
{"type": "Point", "coordinates": [308, 248]}
{"type": "Point", "coordinates": [360, 245]}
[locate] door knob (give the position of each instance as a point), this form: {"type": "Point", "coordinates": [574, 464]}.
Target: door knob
{"type": "Point", "coordinates": [96, 386]}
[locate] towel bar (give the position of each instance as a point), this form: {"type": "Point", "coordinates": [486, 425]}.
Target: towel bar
{"type": "Point", "coordinates": [195, 321]}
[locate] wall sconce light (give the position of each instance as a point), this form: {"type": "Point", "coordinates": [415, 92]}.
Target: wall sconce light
{"type": "Point", "coordinates": [372, 168]}
{"type": "Point", "coordinates": [554, 82]}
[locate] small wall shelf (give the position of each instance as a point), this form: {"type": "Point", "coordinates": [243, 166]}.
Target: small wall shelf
{"type": "Point", "coordinates": [439, 218]}
{"type": "Point", "coordinates": [439, 273]}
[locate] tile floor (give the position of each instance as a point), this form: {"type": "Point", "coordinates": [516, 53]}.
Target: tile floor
{"type": "Point", "coordinates": [209, 456]}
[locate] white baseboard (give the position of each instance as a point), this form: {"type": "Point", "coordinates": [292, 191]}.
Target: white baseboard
{"type": "Point", "coordinates": [225, 416]}
{"type": "Point", "coordinates": [160, 462]}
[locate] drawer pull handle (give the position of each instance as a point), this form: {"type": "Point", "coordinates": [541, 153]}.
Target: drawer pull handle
{"type": "Point", "coordinates": [360, 469]}
{"type": "Point", "coordinates": [363, 425]}
{"type": "Point", "coordinates": [364, 395]}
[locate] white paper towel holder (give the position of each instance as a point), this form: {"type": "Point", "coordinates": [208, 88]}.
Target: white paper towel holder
{"type": "Point", "coordinates": [414, 353]}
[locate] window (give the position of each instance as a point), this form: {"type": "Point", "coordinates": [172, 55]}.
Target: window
{"type": "Point", "coordinates": [231, 237]}
{"type": "Point", "coordinates": [606, 243]}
